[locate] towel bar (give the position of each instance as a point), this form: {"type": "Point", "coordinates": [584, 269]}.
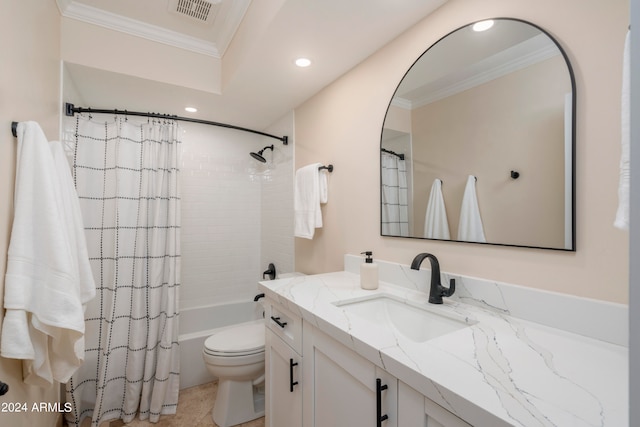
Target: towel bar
{"type": "Point", "coordinates": [328, 168]}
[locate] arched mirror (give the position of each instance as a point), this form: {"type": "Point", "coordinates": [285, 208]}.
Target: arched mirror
{"type": "Point", "coordinates": [478, 141]}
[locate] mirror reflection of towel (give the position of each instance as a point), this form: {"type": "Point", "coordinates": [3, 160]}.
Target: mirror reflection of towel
{"type": "Point", "coordinates": [436, 225]}
{"type": "Point", "coordinates": [470, 228]}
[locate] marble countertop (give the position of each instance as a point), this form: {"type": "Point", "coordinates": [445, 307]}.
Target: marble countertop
{"type": "Point", "coordinates": [498, 371]}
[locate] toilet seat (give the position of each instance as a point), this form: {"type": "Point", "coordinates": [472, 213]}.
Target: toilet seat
{"type": "Point", "coordinates": [238, 345]}
{"type": "Point", "coordinates": [240, 340]}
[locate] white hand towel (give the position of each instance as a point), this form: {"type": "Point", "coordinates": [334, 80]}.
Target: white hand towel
{"type": "Point", "coordinates": [45, 285]}
{"type": "Point", "coordinates": [323, 187]}
{"type": "Point", "coordinates": [622, 214]}
{"type": "Point", "coordinates": [306, 203]}
{"type": "Point", "coordinates": [470, 227]}
{"type": "Point", "coordinates": [436, 225]}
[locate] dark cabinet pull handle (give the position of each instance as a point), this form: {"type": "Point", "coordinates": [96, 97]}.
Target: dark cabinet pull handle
{"type": "Point", "coordinates": [277, 320]}
{"type": "Point", "coordinates": [291, 382]}
{"type": "Point", "coordinates": [379, 388]}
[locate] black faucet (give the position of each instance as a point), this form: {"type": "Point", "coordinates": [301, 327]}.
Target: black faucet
{"type": "Point", "coordinates": [437, 291]}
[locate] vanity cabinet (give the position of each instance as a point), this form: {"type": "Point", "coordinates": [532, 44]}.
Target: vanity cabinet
{"type": "Point", "coordinates": [333, 386]}
{"type": "Point", "coordinates": [283, 367]}
{"type": "Point", "coordinates": [348, 390]}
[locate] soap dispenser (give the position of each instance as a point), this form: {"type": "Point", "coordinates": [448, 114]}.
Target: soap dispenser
{"type": "Point", "coordinates": [368, 272]}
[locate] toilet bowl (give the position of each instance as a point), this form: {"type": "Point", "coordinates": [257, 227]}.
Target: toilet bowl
{"type": "Point", "coordinates": [235, 355]}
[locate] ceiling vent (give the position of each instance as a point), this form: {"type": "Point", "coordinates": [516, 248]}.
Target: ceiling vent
{"type": "Point", "coordinates": [198, 10]}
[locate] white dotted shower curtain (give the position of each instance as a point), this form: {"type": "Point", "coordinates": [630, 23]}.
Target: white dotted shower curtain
{"type": "Point", "coordinates": [126, 176]}
{"type": "Point", "coordinates": [395, 209]}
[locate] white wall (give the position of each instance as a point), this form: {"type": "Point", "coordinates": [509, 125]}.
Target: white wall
{"type": "Point", "coordinates": [342, 123]}
{"type": "Point", "coordinates": [277, 201]}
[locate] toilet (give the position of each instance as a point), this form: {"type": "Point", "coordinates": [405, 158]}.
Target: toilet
{"type": "Point", "coordinates": [235, 355]}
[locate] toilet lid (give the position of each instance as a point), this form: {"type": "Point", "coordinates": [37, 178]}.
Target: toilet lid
{"type": "Point", "coordinates": [239, 339]}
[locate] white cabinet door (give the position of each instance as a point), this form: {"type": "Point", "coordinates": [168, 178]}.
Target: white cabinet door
{"type": "Point", "coordinates": [411, 407]}
{"type": "Point", "coordinates": [346, 387]}
{"type": "Point", "coordinates": [415, 410]}
{"type": "Point", "coordinates": [283, 383]}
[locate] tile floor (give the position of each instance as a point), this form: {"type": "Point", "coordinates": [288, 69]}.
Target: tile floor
{"type": "Point", "coordinates": [194, 410]}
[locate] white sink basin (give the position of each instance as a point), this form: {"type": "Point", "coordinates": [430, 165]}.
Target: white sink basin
{"type": "Point", "coordinates": [413, 321]}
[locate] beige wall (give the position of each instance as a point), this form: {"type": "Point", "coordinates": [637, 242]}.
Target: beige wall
{"type": "Point", "coordinates": [29, 82]}
{"type": "Point", "coordinates": [398, 119]}
{"type": "Point", "coordinates": [105, 49]}
{"type": "Point", "coordinates": [515, 122]}
{"type": "Point", "coordinates": [341, 125]}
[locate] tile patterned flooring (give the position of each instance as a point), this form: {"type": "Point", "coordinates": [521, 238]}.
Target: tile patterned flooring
{"type": "Point", "coordinates": [194, 410]}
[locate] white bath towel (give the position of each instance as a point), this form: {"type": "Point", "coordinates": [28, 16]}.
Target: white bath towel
{"type": "Point", "coordinates": [310, 190]}
{"type": "Point", "coordinates": [470, 227]}
{"type": "Point", "coordinates": [48, 278]}
{"type": "Point", "coordinates": [436, 225]}
{"type": "Point", "coordinates": [622, 214]}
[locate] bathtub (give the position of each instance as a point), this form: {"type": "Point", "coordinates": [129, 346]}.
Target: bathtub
{"type": "Point", "coordinates": [196, 325]}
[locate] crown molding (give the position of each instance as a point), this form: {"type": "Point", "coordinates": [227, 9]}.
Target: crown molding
{"type": "Point", "coordinates": [403, 103]}
{"type": "Point", "coordinates": [520, 56]}
{"type": "Point", "coordinates": [112, 21]}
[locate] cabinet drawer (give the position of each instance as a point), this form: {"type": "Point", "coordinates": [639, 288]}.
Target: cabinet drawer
{"type": "Point", "coordinates": [284, 324]}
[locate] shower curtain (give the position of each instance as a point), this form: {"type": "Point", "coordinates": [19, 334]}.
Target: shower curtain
{"type": "Point", "coordinates": [126, 176]}
{"type": "Point", "coordinates": [395, 209]}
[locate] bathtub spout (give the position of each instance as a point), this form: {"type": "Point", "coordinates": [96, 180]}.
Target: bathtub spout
{"type": "Point", "coordinates": [257, 297]}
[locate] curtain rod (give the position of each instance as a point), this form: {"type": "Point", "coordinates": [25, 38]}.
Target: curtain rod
{"type": "Point", "coordinates": [70, 110]}
{"type": "Point", "coordinates": [401, 156]}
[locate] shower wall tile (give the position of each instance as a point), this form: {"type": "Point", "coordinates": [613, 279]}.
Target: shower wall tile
{"type": "Point", "coordinates": [221, 216]}
{"type": "Point", "coordinates": [277, 244]}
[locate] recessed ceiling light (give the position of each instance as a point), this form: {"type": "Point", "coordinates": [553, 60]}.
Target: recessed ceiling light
{"type": "Point", "coordinates": [483, 25]}
{"type": "Point", "coordinates": [190, 109]}
{"type": "Point", "coordinates": [303, 62]}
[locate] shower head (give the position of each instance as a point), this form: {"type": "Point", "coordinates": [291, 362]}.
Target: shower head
{"type": "Point", "coordinates": [258, 156]}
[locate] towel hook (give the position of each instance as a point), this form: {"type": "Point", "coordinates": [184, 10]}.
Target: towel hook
{"type": "Point", "coordinates": [515, 174]}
